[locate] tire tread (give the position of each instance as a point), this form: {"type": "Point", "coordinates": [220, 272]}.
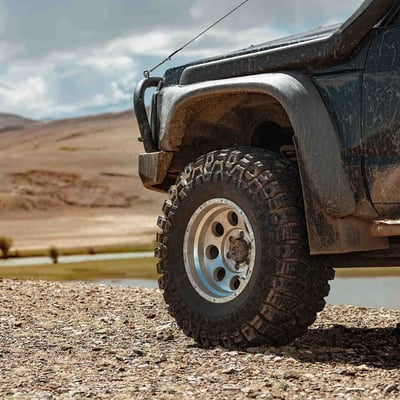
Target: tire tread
{"type": "Point", "coordinates": [299, 285]}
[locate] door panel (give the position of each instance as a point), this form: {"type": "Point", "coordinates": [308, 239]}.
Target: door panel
{"type": "Point", "coordinates": [381, 121]}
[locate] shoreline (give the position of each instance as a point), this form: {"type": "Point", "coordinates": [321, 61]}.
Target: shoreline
{"type": "Point", "coordinates": [123, 247]}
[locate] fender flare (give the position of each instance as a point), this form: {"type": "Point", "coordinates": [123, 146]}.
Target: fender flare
{"type": "Point", "coordinates": [319, 150]}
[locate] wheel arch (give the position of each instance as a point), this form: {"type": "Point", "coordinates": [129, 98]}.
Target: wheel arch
{"type": "Point", "coordinates": [198, 118]}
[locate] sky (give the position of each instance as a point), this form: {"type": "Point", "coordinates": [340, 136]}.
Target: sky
{"type": "Point", "coordinates": [67, 58]}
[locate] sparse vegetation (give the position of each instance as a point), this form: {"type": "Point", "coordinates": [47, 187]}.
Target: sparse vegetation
{"type": "Point", "coordinates": [71, 148]}
{"type": "Point", "coordinates": [142, 268]}
{"type": "Point", "coordinates": [54, 253]}
{"type": "Point", "coordinates": [103, 249]}
{"type": "Point", "coordinates": [5, 245]}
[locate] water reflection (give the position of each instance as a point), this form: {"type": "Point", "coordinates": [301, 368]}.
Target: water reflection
{"type": "Point", "coordinates": [32, 261]}
{"type": "Point", "coordinates": [380, 291]}
{"type": "Point", "coordinates": [373, 292]}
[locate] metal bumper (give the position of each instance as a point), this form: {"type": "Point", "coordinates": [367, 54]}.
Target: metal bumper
{"type": "Point", "coordinates": [153, 167]}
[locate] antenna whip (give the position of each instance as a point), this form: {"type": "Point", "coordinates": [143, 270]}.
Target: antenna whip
{"type": "Point", "coordinates": [147, 73]}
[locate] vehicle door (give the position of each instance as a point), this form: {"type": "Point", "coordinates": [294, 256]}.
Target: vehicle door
{"type": "Point", "coordinates": [381, 120]}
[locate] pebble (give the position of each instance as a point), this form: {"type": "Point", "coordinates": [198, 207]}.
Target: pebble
{"type": "Point", "coordinates": [291, 375]}
{"type": "Point", "coordinates": [390, 388]}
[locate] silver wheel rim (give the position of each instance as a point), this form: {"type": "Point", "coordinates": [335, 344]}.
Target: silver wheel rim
{"type": "Point", "coordinates": [219, 250]}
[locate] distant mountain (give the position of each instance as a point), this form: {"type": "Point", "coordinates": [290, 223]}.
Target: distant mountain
{"type": "Point", "coordinates": [11, 122]}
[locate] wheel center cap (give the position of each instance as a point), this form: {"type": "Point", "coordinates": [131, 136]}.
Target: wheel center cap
{"type": "Point", "coordinates": [238, 250]}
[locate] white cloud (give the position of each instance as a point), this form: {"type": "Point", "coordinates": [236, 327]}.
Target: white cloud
{"type": "Point", "coordinates": [9, 51]}
{"type": "Point", "coordinates": [66, 84]}
{"type": "Point", "coordinates": [107, 64]}
{"type": "Point", "coordinates": [77, 57]}
{"type": "Point", "coordinates": [154, 43]}
{"type": "Point", "coordinates": [26, 95]}
{"type": "Point", "coordinates": [75, 82]}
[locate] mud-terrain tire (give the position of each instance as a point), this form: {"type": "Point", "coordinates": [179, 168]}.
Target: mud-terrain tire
{"type": "Point", "coordinates": [234, 254]}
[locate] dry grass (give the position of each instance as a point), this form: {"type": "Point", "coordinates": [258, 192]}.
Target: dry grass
{"type": "Point", "coordinates": [85, 271]}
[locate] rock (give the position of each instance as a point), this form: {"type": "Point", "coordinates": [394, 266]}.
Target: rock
{"type": "Point", "coordinates": [230, 387]}
{"type": "Point", "coordinates": [230, 371]}
{"type": "Point", "coordinates": [390, 388]}
{"type": "Point", "coordinates": [354, 389]}
{"type": "Point", "coordinates": [291, 375]}
{"type": "Point", "coordinates": [161, 359]}
{"type": "Point", "coordinates": [138, 352]}
{"type": "Point", "coordinates": [362, 367]}
{"type": "Point", "coordinates": [255, 350]}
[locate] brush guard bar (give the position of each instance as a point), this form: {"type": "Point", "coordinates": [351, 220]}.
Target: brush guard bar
{"type": "Point", "coordinates": [146, 130]}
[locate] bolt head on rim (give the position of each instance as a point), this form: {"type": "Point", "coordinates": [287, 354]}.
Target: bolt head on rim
{"type": "Point", "coordinates": [219, 250]}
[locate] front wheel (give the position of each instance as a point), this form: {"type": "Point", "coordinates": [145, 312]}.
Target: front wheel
{"type": "Point", "coordinates": [234, 255]}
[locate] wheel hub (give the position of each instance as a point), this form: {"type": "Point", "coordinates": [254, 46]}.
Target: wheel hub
{"type": "Point", "coordinates": [238, 250]}
{"type": "Point", "coordinates": [219, 250]}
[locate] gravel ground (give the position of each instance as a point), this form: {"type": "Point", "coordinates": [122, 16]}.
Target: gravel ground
{"type": "Point", "coordinates": [77, 341]}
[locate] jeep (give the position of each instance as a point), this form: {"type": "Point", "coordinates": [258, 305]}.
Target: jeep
{"type": "Point", "coordinates": [282, 162]}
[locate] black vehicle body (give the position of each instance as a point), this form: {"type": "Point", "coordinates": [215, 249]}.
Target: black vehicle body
{"type": "Point", "coordinates": [329, 100]}
{"type": "Point", "coordinates": [281, 162]}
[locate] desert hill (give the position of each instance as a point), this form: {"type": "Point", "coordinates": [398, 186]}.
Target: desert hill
{"type": "Point", "coordinates": [11, 122]}
{"type": "Point", "coordinates": [68, 170]}
{"type": "Point", "coordinates": [84, 162]}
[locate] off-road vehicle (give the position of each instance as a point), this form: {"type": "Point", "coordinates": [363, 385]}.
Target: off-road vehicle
{"type": "Point", "coordinates": [282, 162]}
